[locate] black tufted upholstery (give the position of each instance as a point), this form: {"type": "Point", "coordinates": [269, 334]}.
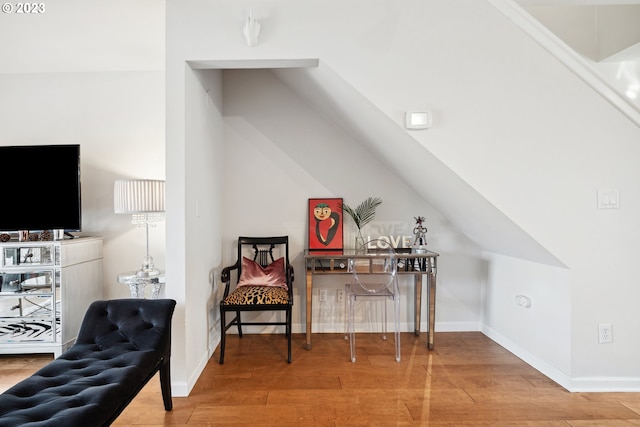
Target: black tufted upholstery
{"type": "Point", "coordinates": [120, 346]}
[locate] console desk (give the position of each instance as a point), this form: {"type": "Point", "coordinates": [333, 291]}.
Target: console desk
{"type": "Point", "coordinates": [416, 264]}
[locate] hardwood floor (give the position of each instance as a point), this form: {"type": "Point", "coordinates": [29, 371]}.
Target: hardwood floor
{"type": "Point", "coordinates": [468, 380]}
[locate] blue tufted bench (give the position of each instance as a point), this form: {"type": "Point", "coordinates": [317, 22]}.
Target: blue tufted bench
{"type": "Point", "coordinates": [121, 345]}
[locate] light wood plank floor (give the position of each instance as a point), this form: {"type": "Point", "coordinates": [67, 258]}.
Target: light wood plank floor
{"type": "Point", "coordinates": [468, 380]}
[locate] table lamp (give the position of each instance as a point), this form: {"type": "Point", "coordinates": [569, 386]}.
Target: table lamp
{"type": "Point", "coordinates": [144, 200]}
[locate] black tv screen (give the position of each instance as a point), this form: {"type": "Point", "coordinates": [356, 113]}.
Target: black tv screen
{"type": "Point", "coordinates": [40, 188]}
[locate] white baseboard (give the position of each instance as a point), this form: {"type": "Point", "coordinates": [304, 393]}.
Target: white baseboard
{"type": "Point", "coordinates": [574, 385]}
{"type": "Point", "coordinates": [606, 384]}
{"type": "Point", "coordinates": [454, 327]}
{"type": "Point", "coordinates": [556, 375]}
{"type": "Point", "coordinates": [181, 388]}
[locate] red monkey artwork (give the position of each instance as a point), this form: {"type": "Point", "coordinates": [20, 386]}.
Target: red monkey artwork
{"type": "Point", "coordinates": [327, 223]}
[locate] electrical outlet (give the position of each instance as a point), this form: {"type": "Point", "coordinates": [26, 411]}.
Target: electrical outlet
{"type": "Point", "coordinates": [523, 301]}
{"type": "Point", "coordinates": [605, 333]}
{"type": "Point", "coordinates": [322, 295]}
{"type": "Point", "coordinates": [340, 294]}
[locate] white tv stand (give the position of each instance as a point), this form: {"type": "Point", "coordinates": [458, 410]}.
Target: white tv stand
{"type": "Point", "coordinates": [45, 289]}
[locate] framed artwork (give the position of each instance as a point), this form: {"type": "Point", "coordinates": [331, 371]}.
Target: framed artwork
{"type": "Point", "coordinates": [325, 224]}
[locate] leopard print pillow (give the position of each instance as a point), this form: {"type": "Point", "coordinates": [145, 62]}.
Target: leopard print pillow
{"type": "Point", "coordinates": [248, 295]}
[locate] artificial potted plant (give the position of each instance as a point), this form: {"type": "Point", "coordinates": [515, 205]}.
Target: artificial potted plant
{"type": "Point", "coordinates": [362, 215]}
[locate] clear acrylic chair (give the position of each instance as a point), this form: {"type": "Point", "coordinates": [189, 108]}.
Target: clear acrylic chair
{"type": "Point", "coordinates": [373, 278]}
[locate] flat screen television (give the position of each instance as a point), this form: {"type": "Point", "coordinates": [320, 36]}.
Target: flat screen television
{"type": "Point", "coordinates": [40, 188]}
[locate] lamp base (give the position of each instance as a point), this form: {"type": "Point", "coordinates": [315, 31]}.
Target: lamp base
{"type": "Point", "coordinates": [148, 270]}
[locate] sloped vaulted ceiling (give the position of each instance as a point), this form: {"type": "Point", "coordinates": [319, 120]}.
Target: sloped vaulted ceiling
{"type": "Point", "coordinates": [394, 147]}
{"type": "Point", "coordinates": [457, 200]}
{"type": "Point", "coordinates": [605, 33]}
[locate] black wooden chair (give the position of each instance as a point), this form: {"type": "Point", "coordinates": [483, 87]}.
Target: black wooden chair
{"type": "Point", "coordinates": [264, 282]}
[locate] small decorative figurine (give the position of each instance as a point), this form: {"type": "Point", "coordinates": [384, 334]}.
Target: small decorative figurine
{"type": "Point", "coordinates": [420, 231]}
{"type": "Point", "coordinates": [251, 29]}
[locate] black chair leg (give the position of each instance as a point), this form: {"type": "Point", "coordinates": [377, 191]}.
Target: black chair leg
{"type": "Point", "coordinates": [289, 319]}
{"type": "Point", "coordinates": [223, 335]}
{"type": "Point", "coordinates": [288, 332]}
{"type": "Point", "coordinates": [239, 323]}
{"type": "Point", "coordinates": [165, 384]}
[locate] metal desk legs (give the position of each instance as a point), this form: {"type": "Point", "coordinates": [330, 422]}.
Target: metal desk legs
{"type": "Point", "coordinates": [417, 298]}
{"type": "Point", "coordinates": [309, 307]}
{"type": "Point", "coordinates": [431, 286]}
{"type": "Point", "coordinates": [431, 278]}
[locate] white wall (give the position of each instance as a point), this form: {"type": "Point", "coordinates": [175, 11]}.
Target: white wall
{"type": "Point", "coordinates": [536, 153]}
{"type": "Point", "coordinates": [117, 118]}
{"type": "Point", "coordinates": [279, 152]}
{"type": "Point", "coordinates": [197, 245]}
{"type": "Point", "coordinates": [84, 36]}
{"type": "Point", "coordinates": [530, 330]}
{"type": "Point", "coordinates": [275, 153]}
{"type": "Point", "coordinates": [83, 72]}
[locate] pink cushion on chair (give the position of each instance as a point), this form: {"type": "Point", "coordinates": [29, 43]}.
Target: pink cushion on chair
{"type": "Point", "coordinates": [254, 275]}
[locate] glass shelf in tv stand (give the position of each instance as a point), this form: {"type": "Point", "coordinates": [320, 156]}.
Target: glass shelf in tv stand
{"type": "Point", "coordinates": [30, 292]}
{"type": "Point", "coordinates": [30, 306]}
{"type": "Point", "coordinates": [34, 235]}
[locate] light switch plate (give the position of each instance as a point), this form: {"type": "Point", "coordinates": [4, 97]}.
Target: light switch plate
{"type": "Point", "coordinates": [608, 199]}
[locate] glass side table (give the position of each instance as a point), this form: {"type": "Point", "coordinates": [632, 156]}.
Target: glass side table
{"type": "Point", "coordinates": [138, 284]}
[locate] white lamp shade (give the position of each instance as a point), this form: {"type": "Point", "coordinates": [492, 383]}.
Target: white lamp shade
{"type": "Point", "coordinates": [138, 196]}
